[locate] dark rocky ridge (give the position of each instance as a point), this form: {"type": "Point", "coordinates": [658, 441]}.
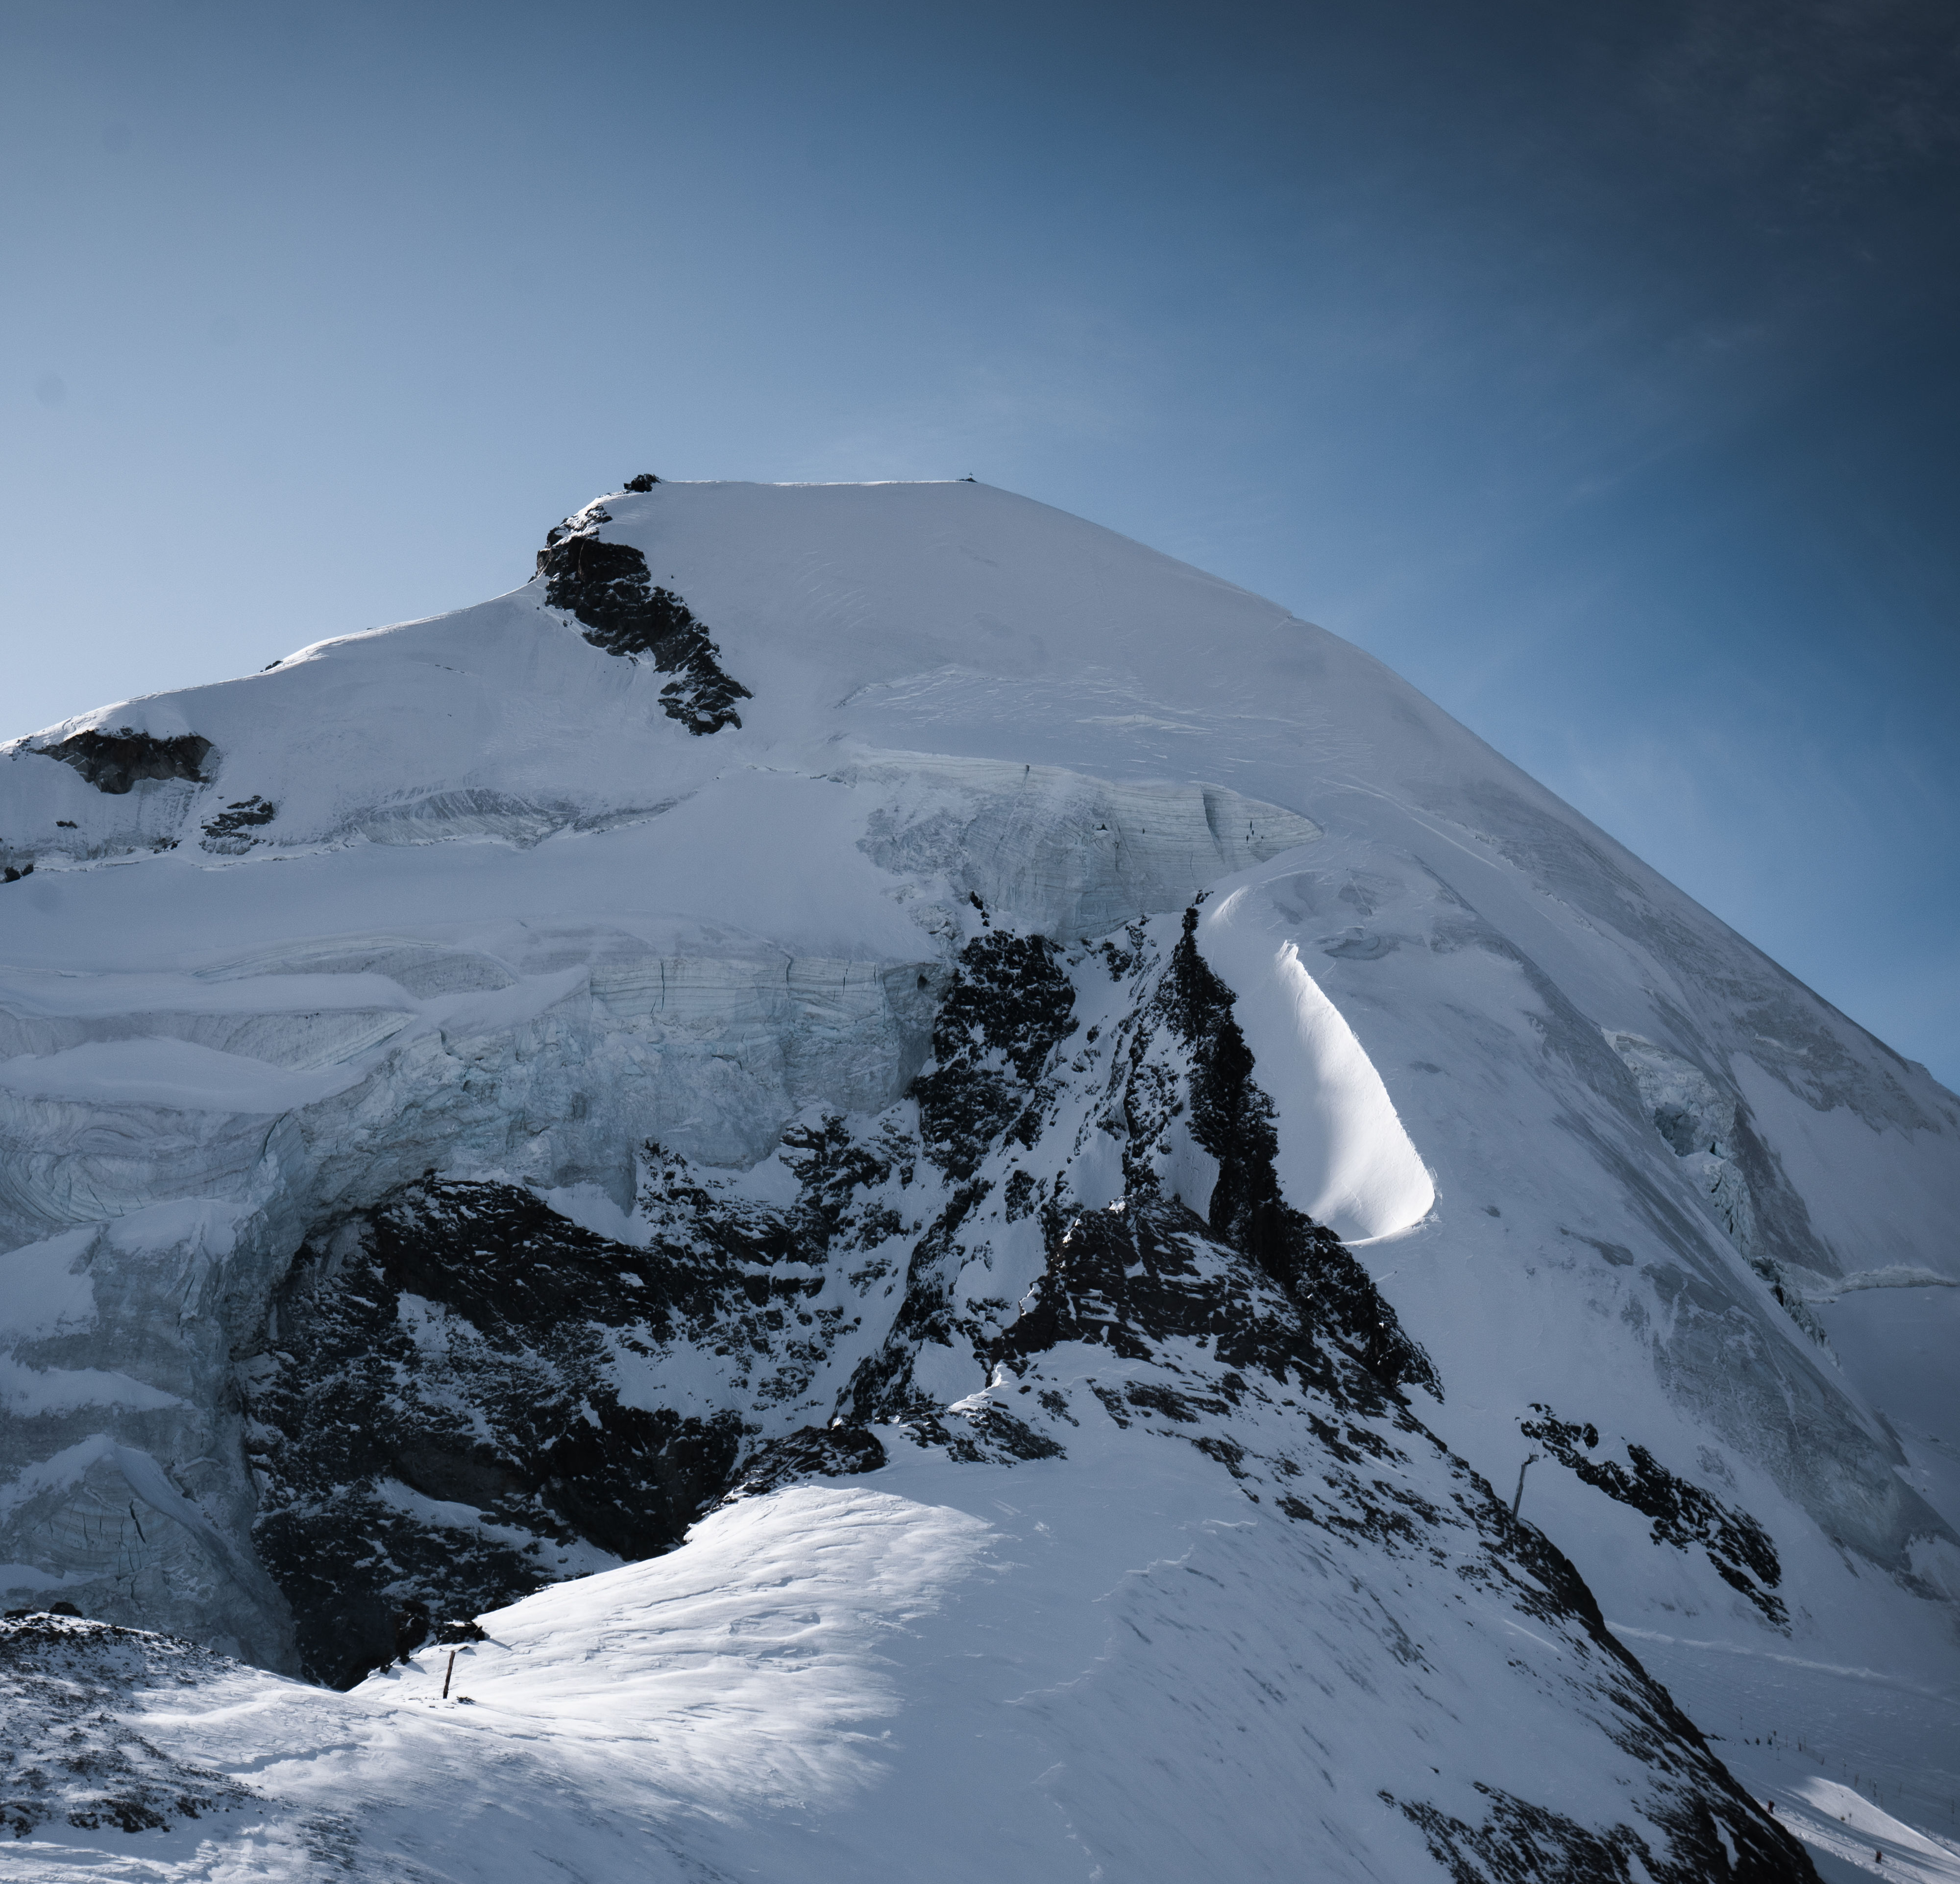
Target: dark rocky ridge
{"type": "Point", "coordinates": [608, 587]}
{"type": "Point", "coordinates": [1215, 1355]}
{"type": "Point", "coordinates": [1683, 1514]}
{"type": "Point", "coordinates": [1521, 1843]}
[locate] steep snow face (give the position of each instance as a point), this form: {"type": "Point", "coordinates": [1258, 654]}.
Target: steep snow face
{"type": "Point", "coordinates": [655, 925]}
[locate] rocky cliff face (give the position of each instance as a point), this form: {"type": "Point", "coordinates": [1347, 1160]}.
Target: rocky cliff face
{"type": "Point", "coordinates": [472, 1132]}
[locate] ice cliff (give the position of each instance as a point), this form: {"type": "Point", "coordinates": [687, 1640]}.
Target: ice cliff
{"type": "Point", "coordinates": [887, 1032]}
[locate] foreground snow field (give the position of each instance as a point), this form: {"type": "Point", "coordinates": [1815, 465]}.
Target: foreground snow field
{"type": "Point", "coordinates": [951, 1176]}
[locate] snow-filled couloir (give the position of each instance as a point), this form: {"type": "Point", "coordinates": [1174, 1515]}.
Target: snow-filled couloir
{"type": "Point", "coordinates": [952, 1199]}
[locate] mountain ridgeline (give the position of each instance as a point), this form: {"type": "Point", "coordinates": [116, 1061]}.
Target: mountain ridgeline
{"type": "Point", "coordinates": [945, 1258]}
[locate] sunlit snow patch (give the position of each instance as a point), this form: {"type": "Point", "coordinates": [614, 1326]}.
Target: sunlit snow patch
{"type": "Point", "coordinates": [1344, 1158]}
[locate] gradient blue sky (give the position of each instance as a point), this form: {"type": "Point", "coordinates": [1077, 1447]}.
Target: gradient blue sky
{"type": "Point", "coordinates": [1594, 365]}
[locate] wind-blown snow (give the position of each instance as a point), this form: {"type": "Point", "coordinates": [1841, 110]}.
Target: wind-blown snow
{"type": "Point", "coordinates": [954, 1672]}
{"type": "Point", "coordinates": [1344, 1158]}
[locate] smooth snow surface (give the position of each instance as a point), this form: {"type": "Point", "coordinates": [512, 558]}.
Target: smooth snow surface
{"type": "Point", "coordinates": [460, 897]}
{"type": "Point", "coordinates": [1344, 1158]}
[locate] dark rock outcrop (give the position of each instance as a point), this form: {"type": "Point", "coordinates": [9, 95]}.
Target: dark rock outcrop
{"type": "Point", "coordinates": [811, 1452]}
{"type": "Point", "coordinates": [1521, 1843]}
{"type": "Point", "coordinates": [229, 832]}
{"type": "Point", "coordinates": [440, 1412]}
{"type": "Point", "coordinates": [607, 587]}
{"type": "Point", "coordinates": [1008, 1009]}
{"type": "Point", "coordinates": [113, 762]}
{"type": "Point", "coordinates": [1683, 1513]}
{"type": "Point", "coordinates": [439, 1423]}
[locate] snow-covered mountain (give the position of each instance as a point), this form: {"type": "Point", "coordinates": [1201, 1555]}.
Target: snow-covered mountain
{"type": "Point", "coordinates": [923, 1180]}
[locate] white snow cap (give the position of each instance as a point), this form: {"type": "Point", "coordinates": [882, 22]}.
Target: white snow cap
{"type": "Point", "coordinates": [464, 896]}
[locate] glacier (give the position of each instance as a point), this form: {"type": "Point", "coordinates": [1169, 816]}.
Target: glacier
{"type": "Point", "coordinates": [922, 1193]}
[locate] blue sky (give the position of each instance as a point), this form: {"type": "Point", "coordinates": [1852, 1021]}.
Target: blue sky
{"type": "Point", "coordinates": [1594, 366]}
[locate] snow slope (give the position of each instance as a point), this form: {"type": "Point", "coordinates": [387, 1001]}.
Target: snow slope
{"type": "Point", "coordinates": [475, 901]}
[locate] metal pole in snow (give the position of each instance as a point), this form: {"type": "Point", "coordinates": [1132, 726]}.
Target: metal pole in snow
{"type": "Point", "coordinates": [1520, 1498]}
{"type": "Point", "coordinates": [447, 1672]}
